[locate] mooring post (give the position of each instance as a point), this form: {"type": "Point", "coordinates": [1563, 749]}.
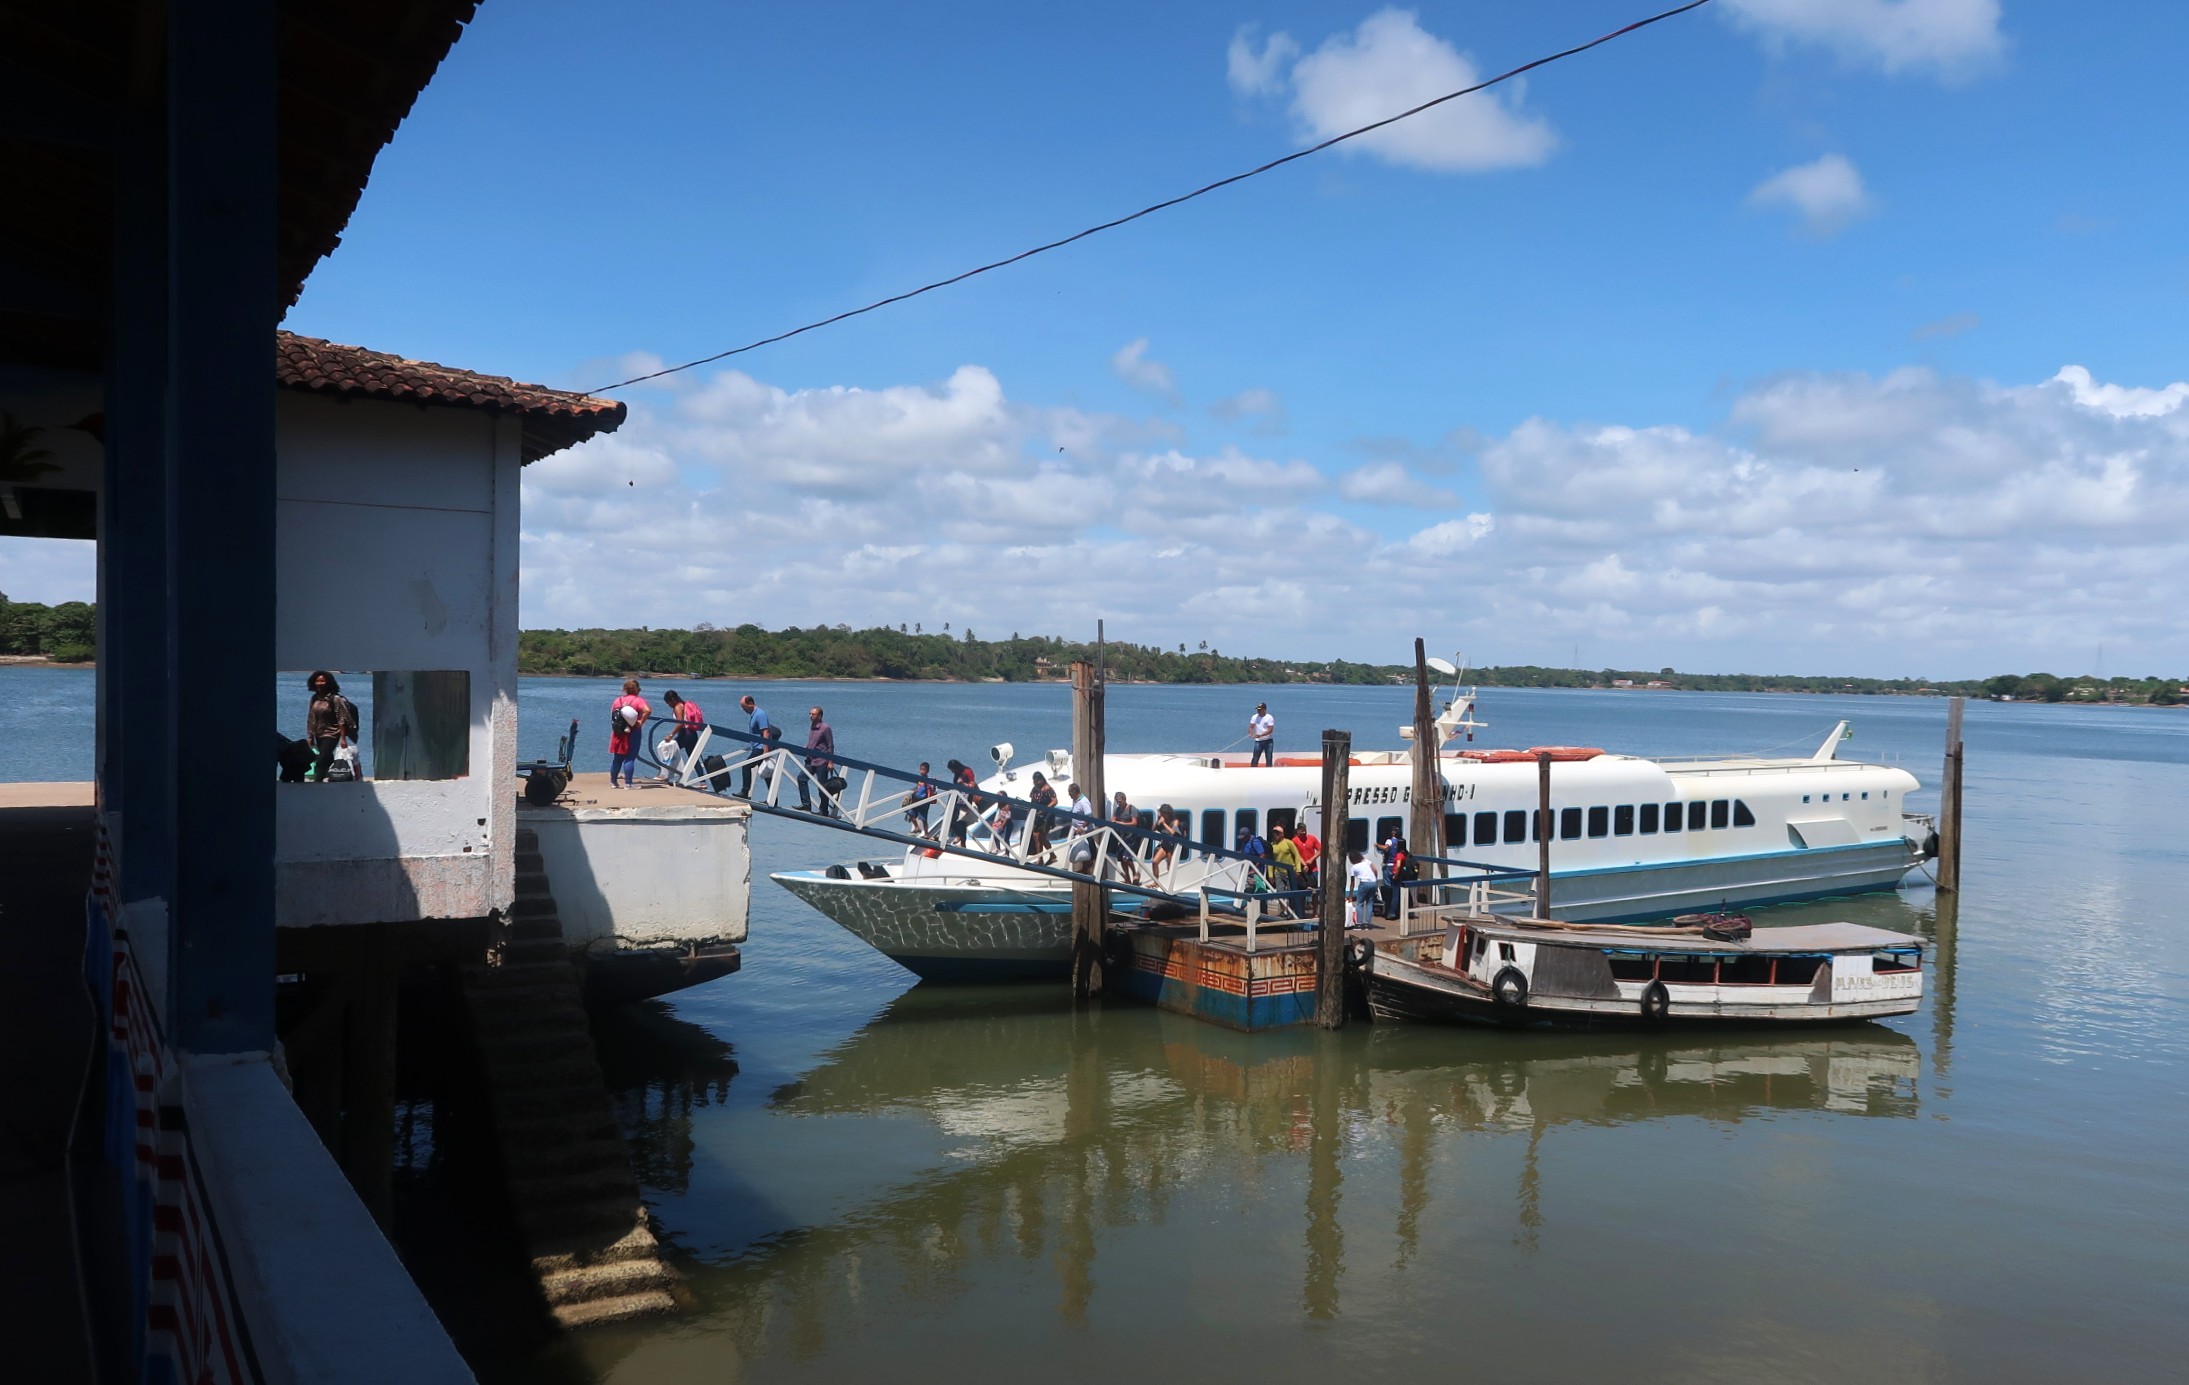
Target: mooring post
{"type": "Point", "coordinates": [1090, 902]}
{"type": "Point", "coordinates": [1949, 801]}
{"type": "Point", "coordinates": [1330, 932]}
{"type": "Point", "coordinates": [1544, 828]}
{"type": "Point", "coordinates": [1427, 827]}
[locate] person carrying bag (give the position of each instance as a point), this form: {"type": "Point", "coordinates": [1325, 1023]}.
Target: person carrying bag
{"type": "Point", "coordinates": [330, 728]}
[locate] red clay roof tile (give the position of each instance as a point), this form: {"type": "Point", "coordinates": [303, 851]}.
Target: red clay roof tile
{"type": "Point", "coordinates": [553, 419]}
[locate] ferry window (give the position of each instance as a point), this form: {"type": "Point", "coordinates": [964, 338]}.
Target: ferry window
{"type": "Point", "coordinates": [1744, 971]}
{"type": "Point", "coordinates": [1599, 822]}
{"type": "Point", "coordinates": [1287, 818]}
{"type": "Point", "coordinates": [1356, 834]}
{"type": "Point", "coordinates": [1212, 827]}
{"type": "Point", "coordinates": [1741, 816]}
{"type": "Point", "coordinates": [1622, 820]}
{"type": "Point", "coordinates": [1626, 967]}
{"type": "Point", "coordinates": [1146, 818]}
{"type": "Point", "coordinates": [1516, 825]}
{"type": "Point", "coordinates": [1569, 823]}
{"type": "Point", "coordinates": [1865, 795]}
{"type": "Point", "coordinates": [1485, 829]}
{"type": "Point", "coordinates": [1721, 812]}
{"type": "Point", "coordinates": [1797, 971]}
{"type": "Point", "coordinates": [1805, 798]}
{"type": "Point", "coordinates": [1695, 971]}
{"type": "Point", "coordinates": [1845, 797]}
{"type": "Point", "coordinates": [1386, 828]}
{"type": "Point", "coordinates": [1883, 962]}
{"type": "Point", "coordinates": [1672, 817]}
{"type": "Point", "coordinates": [1455, 832]}
{"type": "Point", "coordinates": [1244, 825]}
{"type": "Point", "coordinates": [1649, 818]}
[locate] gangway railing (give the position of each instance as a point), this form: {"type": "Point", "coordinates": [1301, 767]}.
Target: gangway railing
{"type": "Point", "coordinates": [944, 817]}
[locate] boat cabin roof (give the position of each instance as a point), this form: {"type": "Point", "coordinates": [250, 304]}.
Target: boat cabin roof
{"type": "Point", "coordinates": [1808, 938]}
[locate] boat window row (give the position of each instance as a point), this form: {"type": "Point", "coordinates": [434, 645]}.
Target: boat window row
{"type": "Point", "coordinates": [1848, 797]}
{"type": "Point", "coordinates": [1708, 970]}
{"type": "Point", "coordinates": [1605, 820]}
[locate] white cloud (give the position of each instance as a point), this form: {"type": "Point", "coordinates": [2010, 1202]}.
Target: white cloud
{"type": "Point", "coordinates": [1389, 483]}
{"type": "Point", "coordinates": [1914, 521]}
{"type": "Point", "coordinates": [2119, 400]}
{"type": "Point", "coordinates": [1134, 366]}
{"type": "Point", "coordinates": [1385, 66]}
{"type": "Point", "coordinates": [1826, 193]}
{"type": "Point", "coordinates": [1258, 71]}
{"type": "Point", "coordinates": [1953, 38]}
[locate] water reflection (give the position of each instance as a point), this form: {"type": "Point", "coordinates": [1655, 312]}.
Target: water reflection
{"type": "Point", "coordinates": [660, 1072]}
{"type": "Point", "coordinates": [1055, 1132]}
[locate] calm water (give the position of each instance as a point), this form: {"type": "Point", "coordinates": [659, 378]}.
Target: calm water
{"type": "Point", "coordinates": [921, 1184]}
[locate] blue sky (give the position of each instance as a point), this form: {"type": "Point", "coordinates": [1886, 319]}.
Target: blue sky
{"type": "Point", "coordinates": [1735, 344]}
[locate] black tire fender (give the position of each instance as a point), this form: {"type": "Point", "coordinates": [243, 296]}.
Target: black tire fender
{"type": "Point", "coordinates": [1360, 954]}
{"type": "Point", "coordinates": [1656, 1001]}
{"type": "Point", "coordinates": [1510, 989]}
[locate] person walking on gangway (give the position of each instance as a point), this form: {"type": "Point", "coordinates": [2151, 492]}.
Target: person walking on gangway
{"type": "Point", "coordinates": [756, 721]}
{"type": "Point", "coordinates": [820, 763]}
{"type": "Point", "coordinates": [1262, 730]}
{"type": "Point", "coordinates": [922, 799]}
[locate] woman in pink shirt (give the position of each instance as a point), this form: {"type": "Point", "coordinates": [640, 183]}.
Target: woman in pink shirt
{"type": "Point", "coordinates": [626, 720]}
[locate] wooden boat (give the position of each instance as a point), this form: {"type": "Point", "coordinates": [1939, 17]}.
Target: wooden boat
{"type": "Point", "coordinates": [1584, 976]}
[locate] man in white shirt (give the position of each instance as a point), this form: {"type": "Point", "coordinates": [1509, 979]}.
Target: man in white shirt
{"type": "Point", "coordinates": [1262, 730]}
{"type": "Point", "coordinates": [1082, 855]}
{"type": "Point", "coordinates": [1364, 877]}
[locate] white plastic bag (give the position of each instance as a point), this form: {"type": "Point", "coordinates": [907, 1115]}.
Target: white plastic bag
{"type": "Point", "coordinates": [342, 766]}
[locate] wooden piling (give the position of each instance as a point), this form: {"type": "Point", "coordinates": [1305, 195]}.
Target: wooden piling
{"type": "Point", "coordinates": [1545, 828]}
{"type": "Point", "coordinates": [1949, 801]}
{"type": "Point", "coordinates": [1090, 903]}
{"type": "Point", "coordinates": [1427, 828]}
{"type": "Point", "coordinates": [1330, 933]}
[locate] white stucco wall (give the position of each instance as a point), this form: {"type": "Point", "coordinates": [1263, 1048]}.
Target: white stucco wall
{"type": "Point", "coordinates": [673, 867]}
{"type": "Point", "coordinates": [397, 549]}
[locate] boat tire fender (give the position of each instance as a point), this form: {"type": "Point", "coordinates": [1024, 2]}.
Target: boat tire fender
{"type": "Point", "coordinates": [1360, 954]}
{"type": "Point", "coordinates": [1656, 1001]}
{"type": "Point", "coordinates": [1510, 989]}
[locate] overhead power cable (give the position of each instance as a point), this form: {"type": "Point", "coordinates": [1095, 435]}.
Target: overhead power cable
{"type": "Point", "coordinates": [1150, 210]}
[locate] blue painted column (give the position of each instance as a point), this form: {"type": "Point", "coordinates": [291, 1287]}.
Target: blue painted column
{"type": "Point", "coordinates": [133, 639]}
{"type": "Point", "coordinates": [223, 304]}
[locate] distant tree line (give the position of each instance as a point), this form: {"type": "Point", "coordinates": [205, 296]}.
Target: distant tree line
{"type": "Point", "coordinates": [838, 651]}
{"type": "Point", "coordinates": [66, 634]}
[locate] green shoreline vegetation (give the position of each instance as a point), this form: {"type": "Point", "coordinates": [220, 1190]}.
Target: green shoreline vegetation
{"type": "Point", "coordinates": [63, 634]}
{"type": "Point", "coordinates": [839, 651]}
{"type": "Point", "coordinates": [66, 634]}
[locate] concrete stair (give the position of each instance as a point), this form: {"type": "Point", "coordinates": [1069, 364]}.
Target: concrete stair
{"type": "Point", "coordinates": [566, 1170]}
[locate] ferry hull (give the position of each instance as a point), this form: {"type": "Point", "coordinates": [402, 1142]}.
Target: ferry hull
{"type": "Point", "coordinates": [947, 933]}
{"type": "Point", "coordinates": [975, 933]}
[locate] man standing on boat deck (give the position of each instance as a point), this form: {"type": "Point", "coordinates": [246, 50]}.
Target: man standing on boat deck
{"type": "Point", "coordinates": [820, 761]}
{"type": "Point", "coordinates": [1262, 729]}
{"type": "Point", "coordinates": [756, 722]}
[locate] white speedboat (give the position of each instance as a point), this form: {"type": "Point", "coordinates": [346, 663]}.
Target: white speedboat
{"type": "Point", "coordinates": [1632, 839]}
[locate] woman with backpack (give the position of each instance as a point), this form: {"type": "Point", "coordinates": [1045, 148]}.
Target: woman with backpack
{"type": "Point", "coordinates": [330, 723]}
{"type": "Point", "coordinates": [626, 720]}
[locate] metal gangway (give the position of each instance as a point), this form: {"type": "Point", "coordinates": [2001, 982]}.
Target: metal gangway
{"type": "Point", "coordinates": [943, 817]}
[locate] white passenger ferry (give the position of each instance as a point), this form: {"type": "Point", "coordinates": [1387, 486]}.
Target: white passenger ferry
{"type": "Point", "coordinates": [1632, 839]}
